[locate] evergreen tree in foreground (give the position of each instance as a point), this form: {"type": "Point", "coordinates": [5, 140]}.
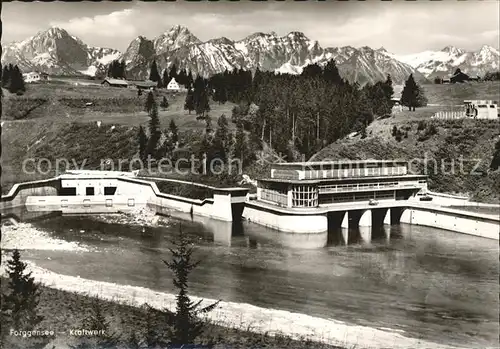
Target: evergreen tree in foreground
{"type": "Point", "coordinates": [96, 321]}
{"type": "Point", "coordinates": [186, 324]}
{"type": "Point", "coordinates": [19, 305]}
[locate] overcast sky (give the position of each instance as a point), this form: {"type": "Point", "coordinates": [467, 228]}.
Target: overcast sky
{"type": "Point", "coordinates": [401, 27]}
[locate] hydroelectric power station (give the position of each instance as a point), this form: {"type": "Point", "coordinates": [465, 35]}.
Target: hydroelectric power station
{"type": "Point", "coordinates": [306, 198]}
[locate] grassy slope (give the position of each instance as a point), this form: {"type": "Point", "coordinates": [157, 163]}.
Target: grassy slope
{"type": "Point", "coordinates": [63, 103]}
{"type": "Point", "coordinates": [51, 121]}
{"type": "Point", "coordinates": [470, 139]}
{"type": "Point", "coordinates": [64, 310]}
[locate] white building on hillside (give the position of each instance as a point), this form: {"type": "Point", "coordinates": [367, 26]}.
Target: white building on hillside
{"type": "Point", "coordinates": [173, 86]}
{"type": "Point", "coordinates": [481, 109]}
{"type": "Point", "coordinates": [32, 77]}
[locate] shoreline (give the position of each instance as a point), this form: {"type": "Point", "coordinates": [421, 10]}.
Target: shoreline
{"type": "Point", "coordinates": [240, 316]}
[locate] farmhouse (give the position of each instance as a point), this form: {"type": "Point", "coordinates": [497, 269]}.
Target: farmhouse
{"type": "Point", "coordinates": [34, 77]}
{"type": "Point", "coordinates": [173, 86]}
{"type": "Point", "coordinates": [110, 82]}
{"type": "Point", "coordinates": [459, 77]}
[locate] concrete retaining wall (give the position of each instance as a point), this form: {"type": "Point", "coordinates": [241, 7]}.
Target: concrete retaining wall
{"type": "Point", "coordinates": [84, 204]}
{"type": "Point", "coordinates": [300, 224]}
{"type": "Point", "coordinates": [447, 199]}
{"type": "Point", "coordinates": [472, 224]}
{"type": "Point", "coordinates": [19, 192]}
{"type": "Point", "coordinates": [42, 196]}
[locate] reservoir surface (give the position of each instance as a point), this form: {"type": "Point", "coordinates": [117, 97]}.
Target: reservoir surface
{"type": "Point", "coordinates": [425, 283]}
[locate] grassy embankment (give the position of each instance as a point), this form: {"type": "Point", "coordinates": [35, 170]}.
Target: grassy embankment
{"type": "Point", "coordinates": [452, 140]}
{"type": "Point", "coordinates": [63, 311]}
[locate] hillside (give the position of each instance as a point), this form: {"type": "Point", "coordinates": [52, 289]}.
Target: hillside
{"type": "Point", "coordinates": [64, 102]}
{"type": "Point", "coordinates": [456, 158]}
{"type": "Point", "coordinates": [52, 121]}
{"type": "Point", "coordinates": [446, 141]}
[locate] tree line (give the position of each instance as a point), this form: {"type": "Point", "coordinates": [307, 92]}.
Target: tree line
{"type": "Point", "coordinates": [156, 144]}
{"type": "Point", "coordinates": [303, 112]}
{"type": "Point", "coordinates": [12, 79]}
{"type": "Point", "coordinates": [117, 70]}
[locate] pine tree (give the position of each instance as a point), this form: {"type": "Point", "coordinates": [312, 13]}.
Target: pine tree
{"type": "Point", "coordinates": [173, 72]}
{"type": "Point", "coordinates": [16, 81]}
{"type": "Point", "coordinates": [331, 73]}
{"type": "Point", "coordinates": [173, 131]}
{"type": "Point", "coordinates": [165, 78]}
{"type": "Point", "coordinates": [240, 144]}
{"type": "Point", "coordinates": [154, 75]}
{"type": "Point", "coordinates": [222, 139]}
{"type": "Point", "coordinates": [96, 321]}
{"type": "Point", "coordinates": [5, 75]}
{"type": "Point", "coordinates": [143, 142]}
{"type": "Point", "coordinates": [388, 89]}
{"type": "Point", "coordinates": [122, 69]}
{"type": "Point", "coordinates": [189, 102]}
{"type": "Point", "coordinates": [19, 305]}
{"type": "Point", "coordinates": [189, 81]}
{"type": "Point", "coordinates": [150, 100]}
{"type": "Point", "coordinates": [187, 325]}
{"type": "Point", "coordinates": [164, 103]}
{"type": "Point", "coordinates": [495, 162]}
{"type": "Point", "coordinates": [154, 131]}
{"type": "Point", "coordinates": [413, 96]}
{"type": "Point", "coordinates": [200, 97]}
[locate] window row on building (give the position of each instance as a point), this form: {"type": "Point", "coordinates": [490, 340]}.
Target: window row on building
{"type": "Point", "coordinates": [355, 187]}
{"type": "Point", "coordinates": [275, 195]}
{"type": "Point", "coordinates": [337, 198]}
{"type": "Point", "coordinates": [304, 196]}
{"type": "Point", "coordinates": [356, 172]}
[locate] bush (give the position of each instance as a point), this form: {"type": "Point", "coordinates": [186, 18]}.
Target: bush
{"type": "Point", "coordinates": [421, 125]}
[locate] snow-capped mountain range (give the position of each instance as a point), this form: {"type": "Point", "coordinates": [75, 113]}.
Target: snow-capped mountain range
{"type": "Point", "coordinates": [446, 61]}
{"type": "Point", "coordinates": [55, 51]}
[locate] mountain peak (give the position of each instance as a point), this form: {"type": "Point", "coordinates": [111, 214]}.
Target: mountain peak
{"type": "Point", "coordinates": [296, 35]}
{"type": "Point", "coordinates": [222, 40]}
{"type": "Point", "coordinates": [452, 50]}
{"type": "Point", "coordinates": [178, 36]}
{"type": "Point", "coordinates": [179, 29]}
{"type": "Point", "coordinates": [488, 48]}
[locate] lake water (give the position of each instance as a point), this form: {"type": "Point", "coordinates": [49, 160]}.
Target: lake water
{"type": "Point", "coordinates": [432, 284]}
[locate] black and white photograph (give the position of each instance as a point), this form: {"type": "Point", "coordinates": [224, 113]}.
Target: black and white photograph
{"type": "Point", "coordinates": [250, 174]}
